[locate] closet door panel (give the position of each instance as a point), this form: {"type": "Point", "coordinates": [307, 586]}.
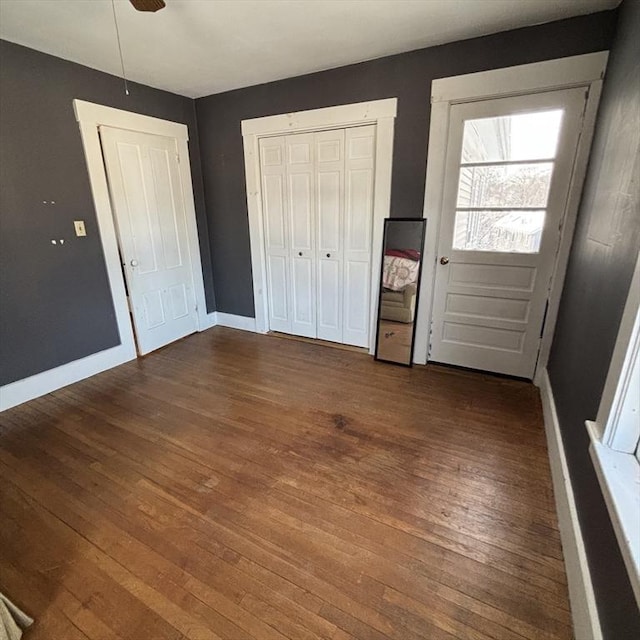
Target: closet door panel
{"type": "Point", "coordinates": [330, 210]}
{"type": "Point", "coordinates": [274, 195]}
{"type": "Point", "coordinates": [278, 275]}
{"type": "Point", "coordinates": [359, 207]}
{"type": "Point", "coordinates": [302, 216]}
{"type": "Point", "coordinates": [356, 297]}
{"type": "Point", "coordinates": [303, 319]}
{"type": "Point", "coordinates": [301, 204]}
{"type": "Point", "coordinates": [330, 196]}
{"type": "Point", "coordinates": [330, 300]}
{"type": "Point", "coordinates": [358, 228]}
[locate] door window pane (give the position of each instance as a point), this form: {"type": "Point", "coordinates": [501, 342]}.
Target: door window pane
{"type": "Point", "coordinates": [524, 136]}
{"type": "Point", "coordinates": [510, 185]}
{"type": "Point", "coordinates": [516, 231]}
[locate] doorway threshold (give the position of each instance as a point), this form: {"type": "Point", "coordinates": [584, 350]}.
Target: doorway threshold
{"type": "Point", "coordinates": [323, 343]}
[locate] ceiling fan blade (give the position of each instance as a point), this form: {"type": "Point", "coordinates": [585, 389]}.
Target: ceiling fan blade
{"type": "Point", "coordinates": [148, 5]}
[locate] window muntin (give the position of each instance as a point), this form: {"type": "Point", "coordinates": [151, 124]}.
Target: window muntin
{"type": "Point", "coordinates": [504, 180]}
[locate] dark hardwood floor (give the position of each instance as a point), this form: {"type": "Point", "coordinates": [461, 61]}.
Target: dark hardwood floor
{"type": "Point", "coordinates": [238, 486]}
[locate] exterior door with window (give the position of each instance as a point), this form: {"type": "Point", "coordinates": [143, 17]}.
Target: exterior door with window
{"type": "Point", "coordinates": [508, 173]}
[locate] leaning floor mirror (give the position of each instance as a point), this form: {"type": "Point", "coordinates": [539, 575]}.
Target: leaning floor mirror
{"type": "Point", "coordinates": [402, 249]}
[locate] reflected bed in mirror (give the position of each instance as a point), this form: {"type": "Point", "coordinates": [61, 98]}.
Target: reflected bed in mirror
{"type": "Point", "coordinates": [403, 245]}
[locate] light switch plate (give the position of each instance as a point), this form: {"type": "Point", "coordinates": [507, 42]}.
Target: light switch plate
{"type": "Point", "coordinates": [79, 227]}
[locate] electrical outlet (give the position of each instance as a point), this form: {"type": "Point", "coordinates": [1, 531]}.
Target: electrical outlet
{"type": "Point", "coordinates": [79, 227]}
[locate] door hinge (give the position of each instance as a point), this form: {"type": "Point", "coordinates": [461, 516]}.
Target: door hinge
{"type": "Point", "coordinates": [585, 103]}
{"type": "Point", "coordinates": [544, 318]}
{"type": "Point", "coordinates": [178, 158]}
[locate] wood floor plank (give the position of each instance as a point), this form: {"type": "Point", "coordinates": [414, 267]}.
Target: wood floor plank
{"type": "Point", "coordinates": [239, 486]}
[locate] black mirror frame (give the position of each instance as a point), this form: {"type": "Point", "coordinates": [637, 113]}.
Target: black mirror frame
{"type": "Point", "coordinates": [423, 221]}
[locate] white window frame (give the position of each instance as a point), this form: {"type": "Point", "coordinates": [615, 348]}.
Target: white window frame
{"type": "Point", "coordinates": [615, 437]}
{"type": "Point", "coordinates": [565, 73]}
{"type": "Point", "coordinates": [379, 112]}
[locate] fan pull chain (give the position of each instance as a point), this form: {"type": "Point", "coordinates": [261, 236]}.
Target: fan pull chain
{"type": "Point", "coordinates": [115, 22]}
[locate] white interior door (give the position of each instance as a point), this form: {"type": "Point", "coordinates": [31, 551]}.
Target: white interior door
{"type": "Point", "coordinates": [360, 146]}
{"type": "Point", "coordinates": [508, 172]}
{"type": "Point", "coordinates": [148, 204]}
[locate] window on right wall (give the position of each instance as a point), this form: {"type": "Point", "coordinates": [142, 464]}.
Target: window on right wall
{"type": "Point", "coordinates": [615, 436]}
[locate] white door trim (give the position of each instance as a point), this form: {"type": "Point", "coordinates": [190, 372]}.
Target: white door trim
{"type": "Point", "coordinates": [576, 71]}
{"type": "Point", "coordinates": [379, 112]}
{"type": "Point", "coordinates": [90, 116]}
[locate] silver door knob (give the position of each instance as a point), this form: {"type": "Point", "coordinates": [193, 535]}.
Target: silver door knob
{"type": "Point", "coordinates": [444, 260]}
{"type": "Point", "coordinates": [134, 263]}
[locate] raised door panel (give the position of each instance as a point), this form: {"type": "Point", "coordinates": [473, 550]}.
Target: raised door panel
{"type": "Point", "coordinates": [278, 283]}
{"type": "Point", "coordinates": [330, 300]}
{"type": "Point", "coordinates": [303, 319]}
{"type": "Point", "coordinates": [133, 210]}
{"type": "Point", "coordinates": [301, 206]}
{"type": "Point", "coordinates": [356, 303]}
{"type": "Point", "coordinates": [171, 225]}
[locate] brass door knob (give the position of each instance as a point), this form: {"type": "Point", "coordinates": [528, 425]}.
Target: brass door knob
{"type": "Point", "coordinates": [444, 260]}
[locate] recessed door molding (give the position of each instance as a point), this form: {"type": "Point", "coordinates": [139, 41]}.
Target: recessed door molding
{"type": "Point", "coordinates": [379, 112]}
{"type": "Point", "coordinates": [577, 71]}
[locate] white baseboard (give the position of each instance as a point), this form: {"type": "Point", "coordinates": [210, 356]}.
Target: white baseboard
{"type": "Point", "coordinates": [218, 318]}
{"type": "Point", "coordinates": [20, 391]}
{"type": "Point", "coordinates": [210, 320]}
{"type": "Point", "coordinates": [584, 611]}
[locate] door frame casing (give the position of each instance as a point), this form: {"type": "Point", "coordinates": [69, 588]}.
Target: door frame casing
{"type": "Point", "coordinates": [565, 73]}
{"type": "Point", "coordinates": [379, 112]}
{"type": "Point", "coordinates": [90, 116]}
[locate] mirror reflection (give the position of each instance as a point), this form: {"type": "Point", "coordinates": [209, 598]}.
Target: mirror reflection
{"type": "Point", "coordinates": [399, 286]}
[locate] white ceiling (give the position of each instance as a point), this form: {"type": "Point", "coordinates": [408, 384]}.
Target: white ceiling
{"type": "Point", "coordinates": [200, 47]}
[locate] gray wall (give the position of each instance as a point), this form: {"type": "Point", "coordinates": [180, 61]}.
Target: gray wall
{"type": "Point", "coordinates": [604, 253]}
{"type": "Point", "coordinates": [55, 302]}
{"type": "Point", "coordinates": [404, 235]}
{"type": "Point", "coordinates": [407, 76]}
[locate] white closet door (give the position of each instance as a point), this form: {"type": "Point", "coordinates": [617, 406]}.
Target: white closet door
{"type": "Point", "coordinates": [357, 231]}
{"type": "Point", "coordinates": [301, 187]}
{"type": "Point", "coordinates": [329, 148]}
{"type": "Point", "coordinates": [276, 231]}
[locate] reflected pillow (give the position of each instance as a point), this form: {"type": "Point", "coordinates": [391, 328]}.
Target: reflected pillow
{"type": "Point", "coordinates": [397, 272]}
